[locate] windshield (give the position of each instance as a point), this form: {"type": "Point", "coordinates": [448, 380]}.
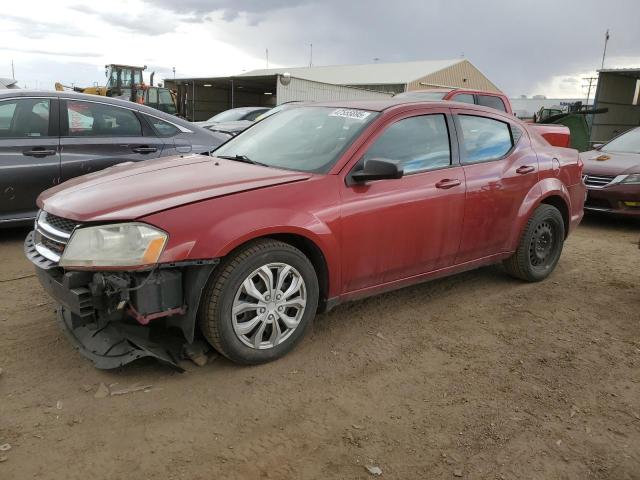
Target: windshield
{"type": "Point", "coordinates": [626, 143]}
{"type": "Point", "coordinates": [232, 115]}
{"type": "Point", "coordinates": [279, 108]}
{"type": "Point", "coordinates": [308, 139]}
{"type": "Point", "coordinates": [422, 95]}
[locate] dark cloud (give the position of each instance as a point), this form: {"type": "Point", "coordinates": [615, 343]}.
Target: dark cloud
{"type": "Point", "coordinates": [516, 44]}
{"type": "Point", "coordinates": [233, 9]}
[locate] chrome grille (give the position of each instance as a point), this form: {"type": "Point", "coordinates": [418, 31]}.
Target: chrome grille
{"type": "Point", "coordinates": [49, 239]}
{"type": "Point", "coordinates": [598, 181]}
{"type": "Point", "coordinates": [59, 223]}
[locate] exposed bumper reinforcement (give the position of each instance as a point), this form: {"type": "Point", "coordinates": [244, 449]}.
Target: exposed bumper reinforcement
{"type": "Point", "coordinates": [117, 343]}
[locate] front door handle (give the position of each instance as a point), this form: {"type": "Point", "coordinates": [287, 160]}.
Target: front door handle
{"type": "Point", "coordinates": [525, 169]}
{"type": "Point", "coordinates": [144, 149]}
{"type": "Point", "coordinates": [448, 183]}
{"type": "Point", "coordinates": [39, 152]}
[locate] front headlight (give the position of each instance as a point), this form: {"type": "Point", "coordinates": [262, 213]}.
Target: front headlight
{"type": "Point", "coordinates": [118, 245]}
{"type": "Point", "coordinates": [632, 179]}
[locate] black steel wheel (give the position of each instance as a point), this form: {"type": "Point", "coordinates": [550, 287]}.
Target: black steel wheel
{"type": "Point", "coordinates": [540, 246]}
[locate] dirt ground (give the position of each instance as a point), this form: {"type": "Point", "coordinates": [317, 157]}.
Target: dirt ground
{"type": "Point", "coordinates": [475, 376]}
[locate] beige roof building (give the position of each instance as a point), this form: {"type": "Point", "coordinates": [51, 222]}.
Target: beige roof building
{"type": "Point", "coordinates": [392, 77]}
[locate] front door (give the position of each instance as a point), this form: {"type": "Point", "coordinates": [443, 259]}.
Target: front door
{"type": "Point", "coordinates": [29, 154]}
{"type": "Point", "coordinates": [97, 135]}
{"type": "Point", "coordinates": [500, 169]}
{"type": "Point", "coordinates": [396, 229]}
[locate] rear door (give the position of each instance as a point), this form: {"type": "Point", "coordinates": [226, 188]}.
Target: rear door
{"type": "Point", "coordinates": [98, 135]}
{"type": "Point", "coordinates": [500, 169]}
{"type": "Point", "coordinates": [29, 154]}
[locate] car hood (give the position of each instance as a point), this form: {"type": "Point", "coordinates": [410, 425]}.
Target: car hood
{"type": "Point", "coordinates": [133, 190]}
{"type": "Point", "coordinates": [616, 163]}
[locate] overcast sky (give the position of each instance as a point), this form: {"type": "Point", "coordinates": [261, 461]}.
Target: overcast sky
{"type": "Point", "coordinates": [525, 47]}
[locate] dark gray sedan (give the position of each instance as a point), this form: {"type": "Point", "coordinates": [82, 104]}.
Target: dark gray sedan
{"type": "Point", "coordinates": [49, 137]}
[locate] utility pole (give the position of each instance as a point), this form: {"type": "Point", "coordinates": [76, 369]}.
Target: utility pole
{"type": "Point", "coordinates": [266, 51]}
{"type": "Point", "coordinates": [311, 54]}
{"type": "Point", "coordinates": [604, 53]}
{"type": "Point", "coordinates": [174, 72]}
{"type": "Point", "coordinates": [589, 85]}
{"type": "Point", "coordinates": [13, 73]}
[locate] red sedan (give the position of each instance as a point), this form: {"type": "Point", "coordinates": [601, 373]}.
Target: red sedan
{"type": "Point", "coordinates": [612, 175]}
{"type": "Point", "coordinates": [307, 209]}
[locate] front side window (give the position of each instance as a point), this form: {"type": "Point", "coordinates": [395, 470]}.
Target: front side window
{"type": "Point", "coordinates": [309, 139]}
{"type": "Point", "coordinates": [416, 144]}
{"type": "Point", "coordinates": [88, 119]}
{"type": "Point", "coordinates": [463, 98]}
{"type": "Point", "coordinates": [484, 139]}
{"type": "Point", "coordinates": [24, 118]}
{"type": "Point", "coordinates": [492, 102]}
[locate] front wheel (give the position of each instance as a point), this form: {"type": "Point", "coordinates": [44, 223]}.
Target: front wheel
{"type": "Point", "coordinates": [540, 246]}
{"type": "Point", "coordinates": [259, 302]}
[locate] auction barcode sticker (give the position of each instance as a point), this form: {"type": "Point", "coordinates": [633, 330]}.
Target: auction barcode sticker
{"type": "Point", "coordinates": [349, 113]}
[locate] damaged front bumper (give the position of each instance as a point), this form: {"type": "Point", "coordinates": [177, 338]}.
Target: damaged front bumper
{"type": "Point", "coordinates": [114, 318]}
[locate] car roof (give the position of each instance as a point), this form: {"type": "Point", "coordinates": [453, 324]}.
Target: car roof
{"type": "Point", "coordinates": [15, 93]}
{"type": "Point", "coordinates": [380, 105]}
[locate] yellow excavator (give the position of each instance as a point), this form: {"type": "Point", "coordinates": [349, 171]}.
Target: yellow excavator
{"type": "Point", "coordinates": [125, 82]}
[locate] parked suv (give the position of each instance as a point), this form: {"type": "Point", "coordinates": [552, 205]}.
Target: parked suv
{"type": "Point", "coordinates": [49, 137]}
{"type": "Point", "coordinates": [557, 135]}
{"type": "Point", "coordinates": [307, 209]}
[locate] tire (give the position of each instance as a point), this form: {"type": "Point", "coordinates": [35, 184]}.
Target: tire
{"type": "Point", "coordinates": [540, 246]}
{"type": "Point", "coordinates": [239, 337]}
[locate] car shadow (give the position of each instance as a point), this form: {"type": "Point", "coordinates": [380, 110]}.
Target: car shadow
{"type": "Point", "coordinates": [610, 222]}
{"type": "Point", "coordinates": [13, 234]}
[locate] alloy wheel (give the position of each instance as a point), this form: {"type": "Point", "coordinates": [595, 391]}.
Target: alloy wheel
{"type": "Point", "coordinates": [269, 305]}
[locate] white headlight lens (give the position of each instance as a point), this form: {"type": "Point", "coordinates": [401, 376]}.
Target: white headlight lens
{"type": "Point", "coordinates": [632, 179]}
{"type": "Point", "coordinates": [118, 245]}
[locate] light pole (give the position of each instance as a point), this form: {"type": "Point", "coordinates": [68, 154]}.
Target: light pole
{"type": "Point", "coordinates": [604, 53]}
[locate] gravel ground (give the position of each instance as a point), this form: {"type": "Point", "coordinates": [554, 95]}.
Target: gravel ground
{"type": "Point", "coordinates": [475, 376]}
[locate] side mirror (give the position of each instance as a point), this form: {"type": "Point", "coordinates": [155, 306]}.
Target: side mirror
{"type": "Point", "coordinates": [597, 146]}
{"type": "Point", "coordinates": [376, 169]}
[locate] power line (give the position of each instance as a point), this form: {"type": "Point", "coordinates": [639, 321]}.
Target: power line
{"type": "Point", "coordinates": [589, 85]}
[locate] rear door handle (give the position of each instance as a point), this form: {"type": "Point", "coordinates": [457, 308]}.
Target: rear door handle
{"type": "Point", "coordinates": [39, 152]}
{"type": "Point", "coordinates": [525, 169]}
{"type": "Point", "coordinates": [448, 183]}
{"type": "Point", "coordinates": [144, 149]}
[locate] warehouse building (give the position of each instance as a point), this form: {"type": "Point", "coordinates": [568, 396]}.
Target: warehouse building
{"type": "Point", "coordinates": [619, 91]}
{"type": "Point", "coordinates": [201, 98]}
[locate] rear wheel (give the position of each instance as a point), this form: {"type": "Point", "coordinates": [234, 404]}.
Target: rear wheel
{"type": "Point", "coordinates": [540, 246]}
{"type": "Point", "coordinates": [259, 302]}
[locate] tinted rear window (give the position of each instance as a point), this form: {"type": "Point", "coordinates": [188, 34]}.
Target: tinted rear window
{"type": "Point", "coordinates": [492, 102]}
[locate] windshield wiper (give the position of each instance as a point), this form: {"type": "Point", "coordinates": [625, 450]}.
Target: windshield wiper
{"type": "Point", "coordinates": [242, 158]}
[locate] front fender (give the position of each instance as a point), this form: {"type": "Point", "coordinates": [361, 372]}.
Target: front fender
{"type": "Point", "coordinates": [545, 188]}
{"type": "Point", "coordinates": [214, 228]}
